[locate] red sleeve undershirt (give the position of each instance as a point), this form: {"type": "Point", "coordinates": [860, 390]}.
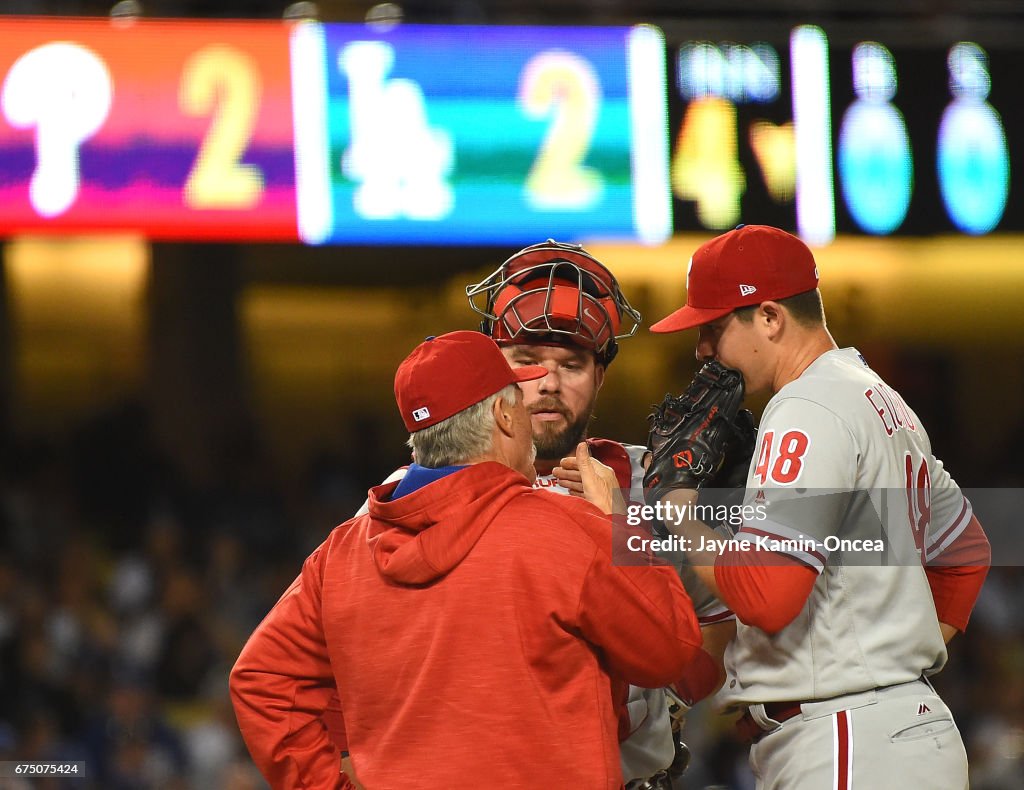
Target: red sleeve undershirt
{"type": "Point", "coordinates": [764, 588]}
{"type": "Point", "coordinates": [767, 589]}
{"type": "Point", "coordinates": [957, 574]}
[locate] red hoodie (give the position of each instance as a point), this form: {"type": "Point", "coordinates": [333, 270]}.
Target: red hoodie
{"type": "Point", "coordinates": [470, 627]}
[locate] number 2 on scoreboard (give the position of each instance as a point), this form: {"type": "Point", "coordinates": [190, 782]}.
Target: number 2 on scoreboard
{"type": "Point", "coordinates": [565, 86]}
{"type": "Point", "coordinates": [222, 82]}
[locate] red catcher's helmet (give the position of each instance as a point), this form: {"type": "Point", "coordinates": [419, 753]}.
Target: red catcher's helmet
{"type": "Point", "coordinates": [556, 294]}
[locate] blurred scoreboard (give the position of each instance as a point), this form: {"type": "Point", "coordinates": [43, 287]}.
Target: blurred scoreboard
{"type": "Point", "coordinates": [863, 140]}
{"type": "Point", "coordinates": [479, 135]}
{"type": "Point", "coordinates": [332, 133]}
{"type": "Point", "coordinates": [350, 134]}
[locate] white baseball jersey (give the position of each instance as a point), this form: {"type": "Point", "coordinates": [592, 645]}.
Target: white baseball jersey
{"type": "Point", "coordinates": [840, 456]}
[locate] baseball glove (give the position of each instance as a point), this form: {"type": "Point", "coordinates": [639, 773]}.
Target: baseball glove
{"type": "Point", "coordinates": [738, 453]}
{"type": "Point", "coordinates": [689, 434]}
{"type": "Point", "coordinates": [728, 487]}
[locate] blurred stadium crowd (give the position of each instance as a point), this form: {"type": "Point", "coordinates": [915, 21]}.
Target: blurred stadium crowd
{"type": "Point", "coordinates": [126, 592]}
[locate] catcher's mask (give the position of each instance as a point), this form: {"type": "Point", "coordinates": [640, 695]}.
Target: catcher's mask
{"type": "Point", "coordinates": [554, 293]}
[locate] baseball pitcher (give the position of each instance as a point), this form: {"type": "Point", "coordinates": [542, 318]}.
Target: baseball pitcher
{"type": "Point", "coordinates": [860, 557]}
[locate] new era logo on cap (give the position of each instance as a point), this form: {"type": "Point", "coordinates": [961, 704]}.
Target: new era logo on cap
{"type": "Point", "coordinates": [747, 290]}
{"type": "Point", "coordinates": [421, 414]}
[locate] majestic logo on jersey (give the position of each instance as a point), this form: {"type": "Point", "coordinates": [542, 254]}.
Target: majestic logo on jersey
{"type": "Point", "coordinates": [421, 414]}
{"type": "Point", "coordinates": [747, 290]}
{"type": "Point", "coordinates": [923, 709]}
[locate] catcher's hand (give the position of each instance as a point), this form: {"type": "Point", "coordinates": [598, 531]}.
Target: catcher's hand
{"type": "Point", "coordinates": [689, 434]}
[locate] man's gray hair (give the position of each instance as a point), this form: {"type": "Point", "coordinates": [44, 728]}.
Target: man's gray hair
{"type": "Point", "coordinates": [462, 437]}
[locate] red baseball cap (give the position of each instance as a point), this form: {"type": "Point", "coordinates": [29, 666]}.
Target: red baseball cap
{"type": "Point", "coordinates": [748, 265]}
{"type": "Point", "coordinates": [446, 374]}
